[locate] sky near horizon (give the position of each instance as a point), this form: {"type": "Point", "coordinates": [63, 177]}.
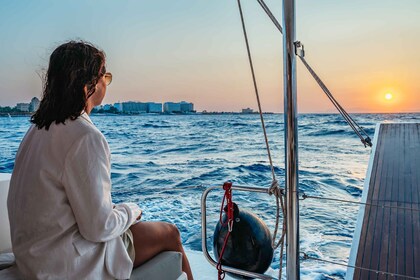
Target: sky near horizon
{"type": "Point", "coordinates": [194, 51]}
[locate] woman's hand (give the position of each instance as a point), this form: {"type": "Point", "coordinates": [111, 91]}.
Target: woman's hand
{"type": "Point", "coordinates": [139, 216]}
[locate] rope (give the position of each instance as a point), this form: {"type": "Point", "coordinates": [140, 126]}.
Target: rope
{"type": "Point", "coordinates": [227, 186]}
{"type": "Point", "coordinates": [256, 90]}
{"type": "Point", "coordinates": [283, 235]}
{"type": "Point", "coordinates": [304, 196]}
{"type": "Point", "coordinates": [220, 271]}
{"type": "Point", "coordinates": [306, 256]}
{"type": "Point", "coordinates": [279, 194]}
{"type": "Point", "coordinates": [274, 189]}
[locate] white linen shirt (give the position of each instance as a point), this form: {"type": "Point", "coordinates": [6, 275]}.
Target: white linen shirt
{"type": "Point", "coordinates": [62, 221]}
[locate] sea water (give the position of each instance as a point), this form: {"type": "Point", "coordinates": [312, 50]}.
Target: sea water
{"type": "Point", "coordinates": [165, 162]}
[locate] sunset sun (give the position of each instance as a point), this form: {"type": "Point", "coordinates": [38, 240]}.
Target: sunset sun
{"type": "Point", "coordinates": [388, 96]}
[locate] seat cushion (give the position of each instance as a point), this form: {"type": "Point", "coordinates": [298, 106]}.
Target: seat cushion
{"type": "Point", "coordinates": [6, 260]}
{"type": "Point", "coordinates": [11, 273]}
{"type": "Point", "coordinates": [8, 271]}
{"type": "Point", "coordinates": [5, 240]}
{"type": "Point", "coordinates": [165, 266]}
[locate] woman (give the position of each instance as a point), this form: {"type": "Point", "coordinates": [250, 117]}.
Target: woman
{"type": "Point", "coordinates": [63, 222]}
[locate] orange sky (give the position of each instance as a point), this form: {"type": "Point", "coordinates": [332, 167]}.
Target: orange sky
{"type": "Point", "coordinates": [194, 51]}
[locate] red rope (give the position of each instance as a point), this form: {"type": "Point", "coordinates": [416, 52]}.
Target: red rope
{"type": "Point", "coordinates": [229, 203]}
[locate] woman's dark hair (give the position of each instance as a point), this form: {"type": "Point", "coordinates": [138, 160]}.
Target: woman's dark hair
{"type": "Point", "coordinates": [72, 66]}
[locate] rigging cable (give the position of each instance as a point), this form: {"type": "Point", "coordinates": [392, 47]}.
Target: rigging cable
{"type": "Point", "coordinates": [274, 188]}
{"type": "Point", "coordinates": [356, 128]}
{"type": "Point", "coordinates": [359, 130]}
{"type": "Point", "coordinates": [270, 15]}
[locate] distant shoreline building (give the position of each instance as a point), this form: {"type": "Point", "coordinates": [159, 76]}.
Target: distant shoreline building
{"type": "Point", "coordinates": [187, 107]}
{"type": "Point", "coordinates": [247, 111]}
{"type": "Point", "coordinates": [128, 107]}
{"type": "Point", "coordinates": [28, 107]}
{"type": "Point", "coordinates": [180, 107]}
{"type": "Point", "coordinates": [133, 107]}
{"type": "Point", "coordinates": [153, 107]}
{"type": "Point", "coordinates": [118, 106]}
{"type": "Point", "coordinates": [23, 107]}
{"type": "Point", "coordinates": [34, 105]}
{"type": "Point", "coordinates": [171, 107]}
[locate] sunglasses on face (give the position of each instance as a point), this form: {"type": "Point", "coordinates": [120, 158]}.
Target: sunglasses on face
{"type": "Point", "coordinates": [108, 78]}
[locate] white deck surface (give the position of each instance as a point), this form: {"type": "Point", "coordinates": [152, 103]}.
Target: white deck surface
{"type": "Point", "coordinates": [5, 243]}
{"type": "Point", "coordinates": [201, 268]}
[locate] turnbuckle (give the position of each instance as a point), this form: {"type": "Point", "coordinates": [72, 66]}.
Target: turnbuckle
{"type": "Point", "coordinates": [299, 49]}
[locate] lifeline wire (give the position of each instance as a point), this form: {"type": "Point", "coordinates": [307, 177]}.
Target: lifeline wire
{"type": "Point", "coordinates": [304, 196]}
{"type": "Point", "coordinates": [306, 256]}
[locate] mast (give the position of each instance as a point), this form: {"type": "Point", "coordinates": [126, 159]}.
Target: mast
{"type": "Point", "coordinates": [291, 141]}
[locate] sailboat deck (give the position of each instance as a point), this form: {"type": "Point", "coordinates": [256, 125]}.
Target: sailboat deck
{"type": "Point", "coordinates": [388, 236]}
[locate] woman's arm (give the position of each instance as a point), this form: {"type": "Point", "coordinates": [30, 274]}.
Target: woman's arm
{"type": "Point", "coordinates": [87, 182]}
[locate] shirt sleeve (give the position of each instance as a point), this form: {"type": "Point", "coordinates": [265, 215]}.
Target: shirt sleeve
{"type": "Point", "coordinates": [87, 182]}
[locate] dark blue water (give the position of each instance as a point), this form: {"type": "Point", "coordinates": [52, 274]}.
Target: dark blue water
{"type": "Point", "coordinates": [164, 163]}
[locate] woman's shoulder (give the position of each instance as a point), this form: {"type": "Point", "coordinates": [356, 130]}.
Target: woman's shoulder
{"type": "Point", "coordinates": [81, 125]}
{"type": "Point", "coordinates": [73, 131]}
{"type": "Point", "coordinates": [84, 137]}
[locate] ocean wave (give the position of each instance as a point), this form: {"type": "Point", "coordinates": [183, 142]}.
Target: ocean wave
{"type": "Point", "coordinates": [341, 132]}
{"type": "Point", "coordinates": [164, 163]}
{"type": "Point", "coordinates": [6, 166]}
{"type": "Point", "coordinates": [151, 125]}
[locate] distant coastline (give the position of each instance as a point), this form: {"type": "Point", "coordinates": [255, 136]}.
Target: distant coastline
{"type": "Point", "coordinates": [28, 114]}
{"type": "Point", "coordinates": [16, 114]}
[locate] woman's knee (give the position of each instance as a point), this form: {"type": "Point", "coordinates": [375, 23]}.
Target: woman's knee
{"type": "Point", "coordinates": [165, 236]}
{"type": "Point", "coordinates": [174, 236]}
{"type": "Point", "coordinates": [174, 231]}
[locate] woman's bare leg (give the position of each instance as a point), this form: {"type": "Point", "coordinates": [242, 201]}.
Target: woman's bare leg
{"type": "Point", "coordinates": [151, 238]}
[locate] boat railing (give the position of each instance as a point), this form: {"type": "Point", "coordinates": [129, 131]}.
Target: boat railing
{"type": "Point", "coordinates": [204, 231]}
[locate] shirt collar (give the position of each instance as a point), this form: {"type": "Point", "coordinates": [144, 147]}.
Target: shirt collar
{"type": "Point", "coordinates": [86, 117]}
